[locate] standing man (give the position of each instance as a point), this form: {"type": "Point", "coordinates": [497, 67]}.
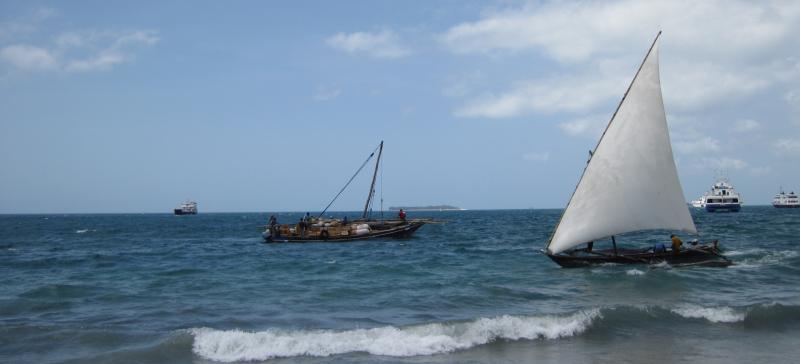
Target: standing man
{"type": "Point", "coordinates": [402, 215]}
{"type": "Point", "coordinates": [676, 243]}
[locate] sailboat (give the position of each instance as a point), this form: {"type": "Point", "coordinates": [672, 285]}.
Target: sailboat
{"type": "Point", "coordinates": [318, 229]}
{"type": "Point", "coordinates": [632, 158]}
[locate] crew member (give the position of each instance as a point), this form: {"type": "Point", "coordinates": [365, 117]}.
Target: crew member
{"type": "Point", "coordinates": [402, 215]}
{"type": "Point", "coordinates": [676, 243]}
{"type": "Point", "coordinates": [273, 222]}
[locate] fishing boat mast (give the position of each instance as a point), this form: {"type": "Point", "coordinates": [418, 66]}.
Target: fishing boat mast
{"type": "Point", "coordinates": [372, 185]}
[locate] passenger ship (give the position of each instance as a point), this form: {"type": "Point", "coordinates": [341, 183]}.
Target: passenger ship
{"type": "Point", "coordinates": [187, 208]}
{"type": "Point", "coordinates": [722, 197]}
{"type": "Point", "coordinates": [786, 200]}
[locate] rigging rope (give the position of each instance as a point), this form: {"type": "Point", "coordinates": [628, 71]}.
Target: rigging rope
{"type": "Point", "coordinates": [348, 182]}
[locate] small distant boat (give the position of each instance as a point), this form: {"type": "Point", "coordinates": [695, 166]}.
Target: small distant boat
{"type": "Point", "coordinates": [700, 202]}
{"type": "Point", "coordinates": [786, 200]}
{"type": "Point", "coordinates": [632, 158]}
{"type": "Point", "coordinates": [722, 197]}
{"type": "Point", "coordinates": [186, 208]}
{"type": "Point", "coordinates": [318, 229]}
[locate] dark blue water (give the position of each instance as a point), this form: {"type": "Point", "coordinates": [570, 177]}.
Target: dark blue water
{"type": "Point", "coordinates": [200, 289]}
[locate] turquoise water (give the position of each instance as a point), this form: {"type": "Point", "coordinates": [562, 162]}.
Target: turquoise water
{"type": "Point", "coordinates": [157, 288]}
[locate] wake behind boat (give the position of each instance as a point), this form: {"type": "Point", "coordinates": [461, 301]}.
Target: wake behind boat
{"type": "Point", "coordinates": [317, 229]}
{"type": "Point", "coordinates": [632, 158]}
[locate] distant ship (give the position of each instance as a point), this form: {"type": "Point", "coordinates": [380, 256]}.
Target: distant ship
{"type": "Point", "coordinates": [786, 200]}
{"type": "Point", "coordinates": [187, 208]}
{"type": "Point", "coordinates": [700, 202]}
{"type": "Point", "coordinates": [722, 197]}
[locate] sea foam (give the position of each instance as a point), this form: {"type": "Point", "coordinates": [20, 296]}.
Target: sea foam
{"type": "Point", "coordinates": [634, 272]}
{"type": "Point", "coordinates": [713, 314]}
{"type": "Point", "coordinates": [426, 339]}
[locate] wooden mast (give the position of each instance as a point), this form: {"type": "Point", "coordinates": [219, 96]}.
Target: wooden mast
{"type": "Point", "coordinates": [372, 186]}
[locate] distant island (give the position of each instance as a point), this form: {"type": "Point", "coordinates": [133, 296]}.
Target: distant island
{"type": "Point", "coordinates": [427, 208]}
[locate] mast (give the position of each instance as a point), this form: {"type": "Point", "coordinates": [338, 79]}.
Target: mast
{"type": "Point", "coordinates": [591, 153]}
{"type": "Point", "coordinates": [372, 185]}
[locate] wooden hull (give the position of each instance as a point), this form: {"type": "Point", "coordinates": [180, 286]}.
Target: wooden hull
{"type": "Point", "coordinates": [705, 255]}
{"type": "Point", "coordinates": [390, 230]}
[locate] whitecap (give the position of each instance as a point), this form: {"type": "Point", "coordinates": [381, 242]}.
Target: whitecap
{"type": "Point", "coordinates": [734, 253]}
{"type": "Point", "coordinates": [713, 314]}
{"type": "Point", "coordinates": [426, 339]}
{"type": "Point", "coordinates": [661, 264]}
{"type": "Point", "coordinates": [634, 272]}
{"type": "Point", "coordinates": [82, 231]}
{"type": "Point", "coordinates": [771, 258]}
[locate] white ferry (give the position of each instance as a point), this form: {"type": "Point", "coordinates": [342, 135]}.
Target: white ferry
{"type": "Point", "coordinates": [722, 197]}
{"type": "Point", "coordinates": [786, 200]}
{"type": "Point", "coordinates": [187, 208]}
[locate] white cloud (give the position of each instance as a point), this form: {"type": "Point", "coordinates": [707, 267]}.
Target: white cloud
{"type": "Point", "coordinates": [43, 13]}
{"type": "Point", "coordinates": [691, 86]}
{"type": "Point", "coordinates": [712, 51]}
{"type": "Point", "coordinates": [25, 24]}
{"type": "Point", "coordinates": [383, 44]}
{"type": "Point", "coordinates": [697, 145]}
{"type": "Point", "coordinates": [79, 52]}
{"type": "Point", "coordinates": [537, 157]}
{"type": "Point", "coordinates": [760, 171]}
{"type": "Point", "coordinates": [100, 62]}
{"type": "Point", "coordinates": [556, 94]}
{"type": "Point", "coordinates": [793, 97]}
{"type": "Point", "coordinates": [591, 126]}
{"type": "Point", "coordinates": [325, 93]}
{"type": "Point", "coordinates": [28, 58]}
{"type": "Point", "coordinates": [720, 164]}
{"type": "Point", "coordinates": [746, 125]}
{"type": "Point", "coordinates": [788, 146]}
{"type": "Point", "coordinates": [578, 31]}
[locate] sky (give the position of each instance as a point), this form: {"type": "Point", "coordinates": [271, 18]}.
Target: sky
{"type": "Point", "coordinates": [111, 106]}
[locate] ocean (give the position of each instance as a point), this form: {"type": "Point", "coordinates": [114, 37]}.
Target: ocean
{"type": "Point", "coordinates": [157, 288]}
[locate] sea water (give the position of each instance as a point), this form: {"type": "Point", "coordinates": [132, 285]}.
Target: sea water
{"type": "Point", "coordinates": [157, 288]}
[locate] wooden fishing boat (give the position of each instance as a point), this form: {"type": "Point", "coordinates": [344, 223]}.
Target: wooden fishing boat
{"type": "Point", "coordinates": [333, 231]}
{"type": "Point", "coordinates": [630, 184]}
{"type": "Point", "coordinates": [707, 255]}
{"type": "Point", "coordinates": [317, 229]}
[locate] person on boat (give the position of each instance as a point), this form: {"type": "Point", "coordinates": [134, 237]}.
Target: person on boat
{"type": "Point", "coordinates": [344, 221]}
{"type": "Point", "coordinates": [273, 221]}
{"type": "Point", "coordinates": [589, 246]}
{"type": "Point", "coordinates": [402, 215]}
{"type": "Point", "coordinates": [302, 225]}
{"type": "Point", "coordinates": [676, 243]}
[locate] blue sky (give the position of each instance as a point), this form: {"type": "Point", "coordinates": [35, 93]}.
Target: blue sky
{"type": "Point", "coordinates": [271, 106]}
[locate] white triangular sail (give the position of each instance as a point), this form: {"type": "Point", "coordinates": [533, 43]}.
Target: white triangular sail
{"type": "Point", "coordinates": [631, 182]}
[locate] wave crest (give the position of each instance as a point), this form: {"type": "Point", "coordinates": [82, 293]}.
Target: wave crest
{"type": "Point", "coordinates": [713, 314]}
{"type": "Point", "coordinates": [427, 339]}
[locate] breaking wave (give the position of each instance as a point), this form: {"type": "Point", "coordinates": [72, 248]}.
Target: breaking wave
{"type": "Point", "coordinates": [441, 338]}
{"type": "Point", "coordinates": [426, 339]}
{"type": "Point", "coordinates": [713, 314]}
